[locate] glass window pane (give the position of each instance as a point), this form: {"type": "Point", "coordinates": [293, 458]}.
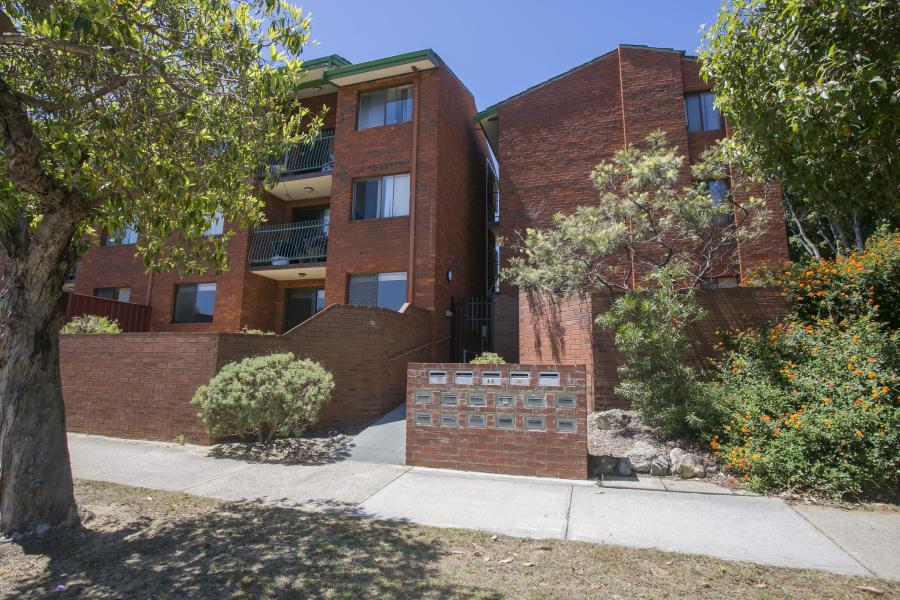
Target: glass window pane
{"type": "Point", "coordinates": [123, 294]}
{"type": "Point", "coordinates": [365, 199]}
{"type": "Point", "coordinates": [183, 311]}
{"type": "Point", "coordinates": [108, 293]}
{"type": "Point", "coordinates": [692, 112]}
{"type": "Point", "coordinates": [205, 303]}
{"type": "Point", "coordinates": [398, 105]}
{"type": "Point", "coordinates": [371, 109]}
{"type": "Point", "coordinates": [396, 196]}
{"type": "Point", "coordinates": [320, 299]}
{"type": "Point", "coordinates": [363, 290]}
{"type": "Point", "coordinates": [216, 225]}
{"type": "Point", "coordinates": [391, 290]}
{"type": "Point", "coordinates": [718, 190]}
{"type": "Point", "coordinates": [712, 119]}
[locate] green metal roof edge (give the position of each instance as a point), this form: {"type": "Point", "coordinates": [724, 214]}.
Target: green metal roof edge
{"type": "Point", "coordinates": [492, 110]}
{"type": "Point", "coordinates": [331, 61]}
{"type": "Point", "coordinates": [381, 63]}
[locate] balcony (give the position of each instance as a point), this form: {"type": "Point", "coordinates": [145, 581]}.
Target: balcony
{"type": "Point", "coordinates": [304, 170]}
{"type": "Point", "coordinates": [289, 250]}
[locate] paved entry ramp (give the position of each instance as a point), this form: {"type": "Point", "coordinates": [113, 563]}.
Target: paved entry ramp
{"type": "Point", "coordinates": [384, 441]}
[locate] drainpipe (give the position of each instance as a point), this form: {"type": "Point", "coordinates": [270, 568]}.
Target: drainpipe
{"type": "Point", "coordinates": [410, 275]}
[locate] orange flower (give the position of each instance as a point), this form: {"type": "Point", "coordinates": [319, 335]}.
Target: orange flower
{"type": "Point", "coordinates": [859, 433]}
{"type": "Point", "coordinates": [765, 418]}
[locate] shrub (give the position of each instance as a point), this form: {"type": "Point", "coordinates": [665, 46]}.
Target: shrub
{"type": "Point", "coordinates": [812, 406]}
{"type": "Point", "coordinates": [248, 331]}
{"type": "Point", "coordinates": [91, 324]}
{"type": "Point", "coordinates": [488, 358]}
{"type": "Point", "coordinates": [844, 288]}
{"type": "Point", "coordinates": [264, 396]}
{"type": "Point", "coordinates": [649, 327]}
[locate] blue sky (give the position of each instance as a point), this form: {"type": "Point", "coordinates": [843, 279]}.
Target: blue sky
{"type": "Point", "coordinates": [500, 47]}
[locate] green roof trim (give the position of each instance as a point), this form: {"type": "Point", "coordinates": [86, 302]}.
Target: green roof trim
{"type": "Point", "coordinates": [332, 61]}
{"type": "Point", "coordinates": [381, 63]}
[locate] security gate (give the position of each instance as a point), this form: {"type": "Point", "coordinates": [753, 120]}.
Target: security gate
{"type": "Point", "coordinates": [470, 327]}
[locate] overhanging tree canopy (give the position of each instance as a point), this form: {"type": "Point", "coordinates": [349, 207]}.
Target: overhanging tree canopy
{"type": "Point", "coordinates": [812, 91]}
{"type": "Point", "coordinates": [149, 113]}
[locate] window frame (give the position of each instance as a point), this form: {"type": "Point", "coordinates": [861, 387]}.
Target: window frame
{"type": "Point", "coordinates": [380, 196]}
{"type": "Point", "coordinates": [196, 286]}
{"type": "Point", "coordinates": [129, 237]}
{"type": "Point", "coordinates": [216, 225]}
{"type": "Point", "coordinates": [704, 126]}
{"type": "Point", "coordinates": [117, 292]}
{"type": "Point", "coordinates": [384, 106]}
{"type": "Point", "coordinates": [378, 276]}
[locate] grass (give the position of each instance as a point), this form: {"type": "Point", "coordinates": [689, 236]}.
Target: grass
{"type": "Point", "coordinates": [150, 544]}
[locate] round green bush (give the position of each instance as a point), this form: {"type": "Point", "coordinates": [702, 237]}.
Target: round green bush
{"type": "Point", "coordinates": [91, 324]}
{"type": "Point", "coordinates": [488, 358]}
{"type": "Point", "coordinates": [264, 397]}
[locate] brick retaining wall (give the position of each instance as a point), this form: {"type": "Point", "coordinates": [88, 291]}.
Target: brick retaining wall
{"type": "Point", "coordinates": [469, 427]}
{"type": "Point", "coordinates": [139, 385]}
{"type": "Point", "coordinates": [562, 331]}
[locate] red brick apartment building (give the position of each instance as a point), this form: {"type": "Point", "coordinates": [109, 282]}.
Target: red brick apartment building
{"type": "Point", "coordinates": [385, 207]}
{"type": "Point", "coordinates": [548, 138]}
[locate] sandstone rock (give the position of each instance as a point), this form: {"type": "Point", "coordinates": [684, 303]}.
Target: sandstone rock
{"type": "Point", "coordinates": [602, 465]}
{"type": "Point", "coordinates": [685, 464]}
{"type": "Point", "coordinates": [641, 455]}
{"type": "Point", "coordinates": [612, 419]}
{"type": "Point", "coordinates": [659, 466]}
{"type": "Point", "coordinates": [623, 467]}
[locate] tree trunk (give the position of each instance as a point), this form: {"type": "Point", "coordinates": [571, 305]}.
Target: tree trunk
{"type": "Point", "coordinates": [36, 480]}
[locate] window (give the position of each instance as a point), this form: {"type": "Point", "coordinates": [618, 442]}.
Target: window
{"type": "Point", "coordinates": [216, 225]}
{"type": "Point", "coordinates": [194, 303]}
{"type": "Point", "coordinates": [120, 237]}
{"type": "Point", "coordinates": [720, 198]}
{"type": "Point", "coordinates": [122, 294]}
{"type": "Point", "coordinates": [385, 107]}
{"type": "Point", "coordinates": [701, 112]}
{"type": "Point", "coordinates": [381, 197]}
{"type": "Point", "coordinates": [384, 290]}
{"type": "Point", "coordinates": [718, 191]}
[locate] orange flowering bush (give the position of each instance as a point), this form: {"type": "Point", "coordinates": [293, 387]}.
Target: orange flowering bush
{"type": "Point", "coordinates": [848, 286]}
{"type": "Point", "coordinates": [811, 405]}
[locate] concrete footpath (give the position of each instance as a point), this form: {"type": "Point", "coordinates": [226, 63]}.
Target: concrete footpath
{"type": "Point", "coordinates": [691, 517]}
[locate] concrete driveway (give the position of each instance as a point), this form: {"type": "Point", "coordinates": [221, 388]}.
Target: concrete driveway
{"type": "Point", "coordinates": [691, 517]}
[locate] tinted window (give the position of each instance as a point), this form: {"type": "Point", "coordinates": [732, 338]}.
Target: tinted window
{"type": "Point", "coordinates": [701, 112]}
{"type": "Point", "coordinates": [194, 303]}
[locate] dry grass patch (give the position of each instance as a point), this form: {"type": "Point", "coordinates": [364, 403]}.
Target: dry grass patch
{"type": "Point", "coordinates": [150, 544]}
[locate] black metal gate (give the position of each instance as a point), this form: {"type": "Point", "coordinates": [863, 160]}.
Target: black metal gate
{"type": "Point", "coordinates": [471, 328]}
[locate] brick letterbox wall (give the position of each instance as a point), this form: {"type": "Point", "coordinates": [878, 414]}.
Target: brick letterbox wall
{"type": "Point", "coordinates": [489, 418]}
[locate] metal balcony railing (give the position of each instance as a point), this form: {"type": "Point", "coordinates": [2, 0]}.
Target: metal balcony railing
{"type": "Point", "coordinates": [314, 157]}
{"type": "Point", "coordinates": [289, 243]}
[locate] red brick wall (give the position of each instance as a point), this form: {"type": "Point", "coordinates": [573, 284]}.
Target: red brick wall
{"type": "Point", "coordinates": [140, 385]}
{"type": "Point", "coordinates": [359, 345]}
{"type": "Point", "coordinates": [548, 453]}
{"type": "Point", "coordinates": [117, 266]}
{"type": "Point", "coordinates": [551, 137]}
{"type": "Point", "coordinates": [136, 385]}
{"type": "Point", "coordinates": [449, 207]}
{"type": "Point", "coordinates": [563, 332]}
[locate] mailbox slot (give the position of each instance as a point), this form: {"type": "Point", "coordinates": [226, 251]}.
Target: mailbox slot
{"type": "Point", "coordinates": [437, 377]}
{"type": "Point", "coordinates": [464, 378]}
